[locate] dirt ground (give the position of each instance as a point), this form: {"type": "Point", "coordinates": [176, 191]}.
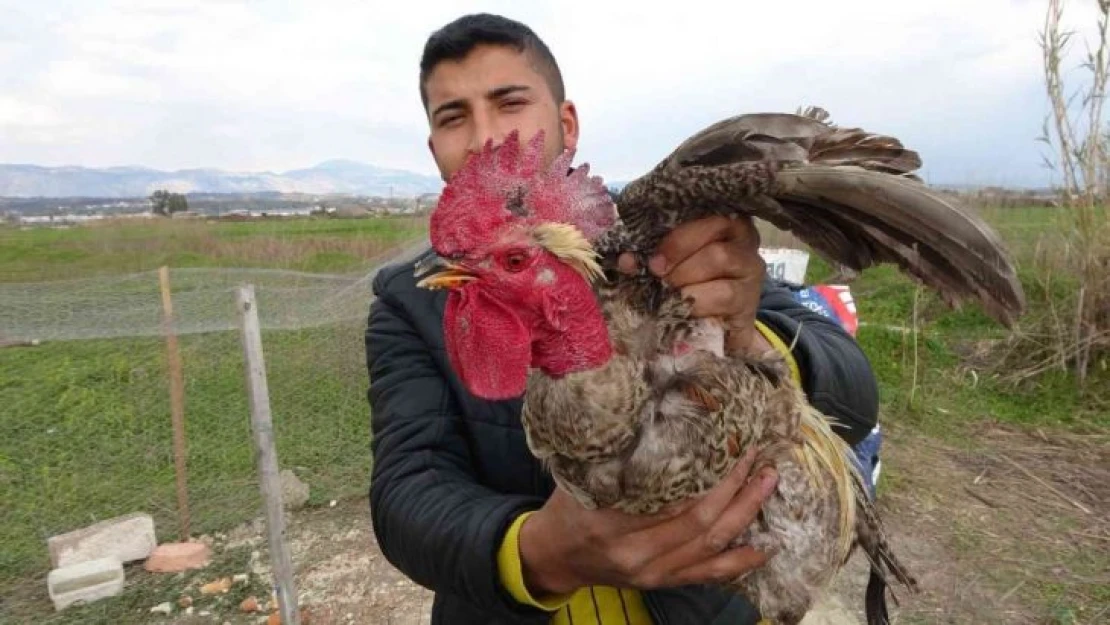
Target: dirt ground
{"type": "Point", "coordinates": [1010, 528]}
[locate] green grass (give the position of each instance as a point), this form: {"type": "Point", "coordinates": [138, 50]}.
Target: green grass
{"type": "Point", "coordinates": [318, 245]}
{"type": "Point", "coordinates": [944, 397]}
{"type": "Point", "coordinates": [85, 425]}
{"type": "Point", "coordinates": [86, 432]}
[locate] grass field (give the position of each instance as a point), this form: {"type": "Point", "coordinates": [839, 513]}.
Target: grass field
{"type": "Point", "coordinates": [84, 432]}
{"type": "Point", "coordinates": [85, 426]}
{"type": "Point", "coordinates": [128, 246]}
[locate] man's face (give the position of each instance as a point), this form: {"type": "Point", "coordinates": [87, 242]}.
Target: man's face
{"type": "Point", "coordinates": [487, 95]}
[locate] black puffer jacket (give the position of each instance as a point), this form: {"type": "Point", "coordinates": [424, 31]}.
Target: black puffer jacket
{"type": "Point", "coordinates": [452, 471]}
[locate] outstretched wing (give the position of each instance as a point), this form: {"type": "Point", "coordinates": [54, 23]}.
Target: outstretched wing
{"type": "Point", "coordinates": [849, 194]}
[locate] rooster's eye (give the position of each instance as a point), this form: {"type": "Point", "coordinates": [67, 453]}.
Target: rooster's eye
{"type": "Point", "coordinates": [514, 261]}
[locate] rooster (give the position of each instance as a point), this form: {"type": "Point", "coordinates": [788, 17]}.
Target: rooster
{"type": "Point", "coordinates": [634, 404]}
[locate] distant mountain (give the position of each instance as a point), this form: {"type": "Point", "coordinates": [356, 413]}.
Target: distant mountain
{"type": "Point", "coordinates": [336, 176]}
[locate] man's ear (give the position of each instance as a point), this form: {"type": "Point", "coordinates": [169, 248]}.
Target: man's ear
{"type": "Point", "coordinates": [568, 119]}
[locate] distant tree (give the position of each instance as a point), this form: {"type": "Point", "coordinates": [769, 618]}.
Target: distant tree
{"type": "Point", "coordinates": [164, 203]}
{"type": "Point", "coordinates": [178, 203]}
{"type": "Point", "coordinates": [159, 202]}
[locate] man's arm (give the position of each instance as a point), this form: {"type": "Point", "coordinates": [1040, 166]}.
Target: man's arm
{"type": "Point", "coordinates": [835, 373]}
{"type": "Point", "coordinates": [432, 519]}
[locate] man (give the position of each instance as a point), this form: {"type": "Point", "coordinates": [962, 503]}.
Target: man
{"type": "Point", "coordinates": [458, 502]}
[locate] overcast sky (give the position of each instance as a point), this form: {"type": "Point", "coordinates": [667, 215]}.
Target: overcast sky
{"type": "Point", "coordinates": [269, 85]}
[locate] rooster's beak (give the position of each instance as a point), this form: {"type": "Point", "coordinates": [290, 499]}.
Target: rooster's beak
{"type": "Point", "coordinates": [450, 275]}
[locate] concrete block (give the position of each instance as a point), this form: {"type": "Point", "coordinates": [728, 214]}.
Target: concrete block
{"type": "Point", "coordinates": [129, 537]}
{"type": "Point", "coordinates": [85, 582]}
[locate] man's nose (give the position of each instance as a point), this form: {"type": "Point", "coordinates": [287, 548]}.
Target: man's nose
{"type": "Point", "coordinates": [485, 130]}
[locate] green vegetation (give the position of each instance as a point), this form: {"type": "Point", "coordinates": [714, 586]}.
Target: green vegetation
{"type": "Point", "coordinates": [129, 246]}
{"type": "Point", "coordinates": [85, 431]}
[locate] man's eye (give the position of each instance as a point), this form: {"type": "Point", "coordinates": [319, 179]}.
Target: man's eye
{"type": "Point", "coordinates": [513, 104]}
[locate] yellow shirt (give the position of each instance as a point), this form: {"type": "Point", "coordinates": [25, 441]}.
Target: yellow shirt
{"type": "Point", "coordinates": [593, 605]}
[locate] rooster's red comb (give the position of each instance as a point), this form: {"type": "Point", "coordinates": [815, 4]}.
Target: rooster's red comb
{"type": "Point", "coordinates": [509, 184]}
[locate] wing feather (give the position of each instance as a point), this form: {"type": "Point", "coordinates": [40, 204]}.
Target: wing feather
{"type": "Point", "coordinates": [850, 194]}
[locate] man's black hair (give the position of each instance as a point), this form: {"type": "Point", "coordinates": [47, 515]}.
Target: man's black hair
{"type": "Point", "coordinates": [455, 40]}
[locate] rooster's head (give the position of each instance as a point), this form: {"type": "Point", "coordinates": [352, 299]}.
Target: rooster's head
{"type": "Point", "coordinates": [512, 237]}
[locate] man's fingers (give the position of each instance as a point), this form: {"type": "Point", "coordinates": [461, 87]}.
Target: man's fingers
{"type": "Point", "coordinates": [723, 298]}
{"type": "Point", "coordinates": [696, 518]}
{"type": "Point", "coordinates": [741, 512]}
{"type": "Point", "coordinates": [722, 568]}
{"type": "Point", "coordinates": [726, 528]}
{"type": "Point", "coordinates": [719, 259]}
{"type": "Point", "coordinates": [626, 263]}
{"type": "Point", "coordinates": [686, 239]}
{"type": "Point", "coordinates": [711, 557]}
{"type": "Point", "coordinates": [675, 509]}
{"type": "Point", "coordinates": [700, 517]}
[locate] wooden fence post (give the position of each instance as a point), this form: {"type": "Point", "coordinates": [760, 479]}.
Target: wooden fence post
{"type": "Point", "coordinates": [266, 453]}
{"type": "Point", "coordinates": [177, 402]}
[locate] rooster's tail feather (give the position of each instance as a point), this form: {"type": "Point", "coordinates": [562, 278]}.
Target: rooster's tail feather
{"type": "Point", "coordinates": [884, 563]}
{"type": "Point", "coordinates": [825, 453]}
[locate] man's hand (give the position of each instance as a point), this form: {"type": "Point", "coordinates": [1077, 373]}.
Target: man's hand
{"type": "Point", "coordinates": [715, 261]}
{"type": "Point", "coordinates": [564, 547]}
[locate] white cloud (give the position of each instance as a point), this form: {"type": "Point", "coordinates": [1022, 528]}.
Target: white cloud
{"type": "Point", "coordinates": [271, 85]}
{"type": "Point", "coordinates": [15, 112]}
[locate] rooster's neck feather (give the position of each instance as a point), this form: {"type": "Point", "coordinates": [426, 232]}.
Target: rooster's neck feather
{"type": "Point", "coordinates": [568, 244]}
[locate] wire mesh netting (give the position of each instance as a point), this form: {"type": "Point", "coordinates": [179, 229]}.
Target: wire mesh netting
{"type": "Point", "coordinates": [85, 410]}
